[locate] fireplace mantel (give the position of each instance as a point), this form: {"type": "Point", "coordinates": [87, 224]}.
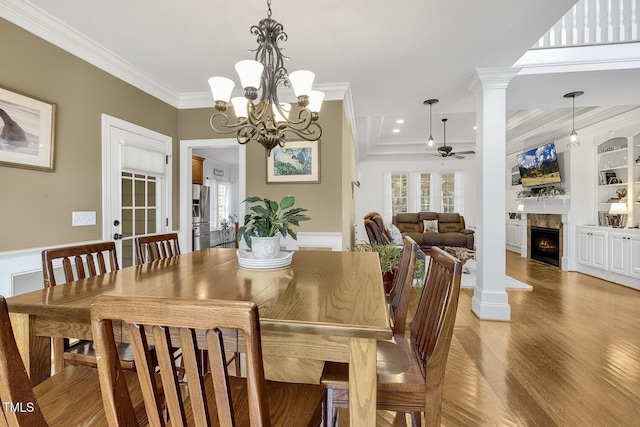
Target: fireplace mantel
{"type": "Point", "coordinates": [551, 205]}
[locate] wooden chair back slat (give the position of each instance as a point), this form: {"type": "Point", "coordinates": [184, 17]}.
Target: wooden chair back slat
{"type": "Point", "coordinates": [432, 326]}
{"type": "Point", "coordinates": [183, 317]}
{"type": "Point", "coordinates": [15, 387]}
{"type": "Point", "coordinates": [402, 285]}
{"type": "Point", "coordinates": [81, 255]}
{"type": "Point", "coordinates": [157, 246]}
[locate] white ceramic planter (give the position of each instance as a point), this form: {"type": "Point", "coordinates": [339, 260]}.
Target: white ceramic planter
{"type": "Point", "coordinates": [265, 247]}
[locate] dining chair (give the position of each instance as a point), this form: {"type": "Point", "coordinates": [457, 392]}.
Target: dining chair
{"type": "Point", "coordinates": [72, 397]}
{"type": "Point", "coordinates": [419, 360]}
{"type": "Point", "coordinates": [80, 262]}
{"type": "Point", "coordinates": [208, 399]}
{"type": "Point", "coordinates": [401, 288]}
{"type": "Point", "coordinates": [158, 246]}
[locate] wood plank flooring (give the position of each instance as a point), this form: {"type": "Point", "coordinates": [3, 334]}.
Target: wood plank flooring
{"type": "Point", "coordinates": [569, 357]}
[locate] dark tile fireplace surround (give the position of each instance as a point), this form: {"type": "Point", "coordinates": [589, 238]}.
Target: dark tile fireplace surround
{"type": "Point", "coordinates": [544, 238]}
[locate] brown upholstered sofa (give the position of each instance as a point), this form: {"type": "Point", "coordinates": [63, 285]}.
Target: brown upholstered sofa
{"type": "Point", "coordinates": [451, 229]}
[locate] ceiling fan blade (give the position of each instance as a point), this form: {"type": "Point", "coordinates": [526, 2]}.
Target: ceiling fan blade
{"type": "Point", "coordinates": [465, 152]}
{"type": "Point", "coordinates": [456, 156]}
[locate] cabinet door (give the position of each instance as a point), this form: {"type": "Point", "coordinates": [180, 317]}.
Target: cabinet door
{"type": "Point", "coordinates": [197, 173]}
{"type": "Point", "coordinates": [634, 257]}
{"type": "Point", "coordinates": [599, 250]}
{"type": "Point", "coordinates": [618, 257]}
{"type": "Point", "coordinates": [517, 235]}
{"type": "Point", "coordinates": [584, 248]}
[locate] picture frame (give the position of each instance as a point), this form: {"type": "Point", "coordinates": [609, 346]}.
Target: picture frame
{"type": "Point", "coordinates": [608, 177]}
{"type": "Point", "coordinates": [297, 162]}
{"type": "Point", "coordinates": [27, 134]}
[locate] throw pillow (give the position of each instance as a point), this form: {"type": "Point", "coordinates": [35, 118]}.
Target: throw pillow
{"type": "Point", "coordinates": [430, 225]}
{"type": "Point", "coordinates": [394, 233]}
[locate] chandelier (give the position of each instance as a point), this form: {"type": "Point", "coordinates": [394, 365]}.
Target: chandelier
{"type": "Point", "coordinates": [267, 121]}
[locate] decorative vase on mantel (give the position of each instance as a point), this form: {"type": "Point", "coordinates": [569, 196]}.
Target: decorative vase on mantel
{"type": "Point", "coordinates": [265, 247]}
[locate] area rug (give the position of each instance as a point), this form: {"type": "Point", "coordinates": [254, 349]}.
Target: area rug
{"type": "Point", "coordinates": [469, 279]}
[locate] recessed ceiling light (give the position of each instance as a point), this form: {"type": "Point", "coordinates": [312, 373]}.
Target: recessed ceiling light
{"type": "Point", "coordinates": [400, 121]}
{"type": "Point", "coordinates": [396, 131]}
{"type": "Point", "coordinates": [475, 128]}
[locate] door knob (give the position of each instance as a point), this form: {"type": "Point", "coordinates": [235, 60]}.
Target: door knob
{"type": "Point", "coordinates": [117, 236]}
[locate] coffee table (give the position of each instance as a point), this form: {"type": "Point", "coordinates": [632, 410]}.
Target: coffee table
{"type": "Point", "coordinates": [463, 254]}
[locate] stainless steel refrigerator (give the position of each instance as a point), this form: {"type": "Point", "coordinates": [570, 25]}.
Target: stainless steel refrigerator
{"type": "Point", "coordinates": [201, 213]}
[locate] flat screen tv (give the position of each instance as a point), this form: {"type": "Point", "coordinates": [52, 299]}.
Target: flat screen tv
{"type": "Point", "coordinates": [539, 166]}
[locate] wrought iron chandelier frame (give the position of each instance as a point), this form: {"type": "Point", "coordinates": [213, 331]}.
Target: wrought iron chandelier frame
{"type": "Point", "coordinates": [268, 120]}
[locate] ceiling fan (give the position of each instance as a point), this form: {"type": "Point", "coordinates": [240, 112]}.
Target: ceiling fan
{"type": "Point", "coordinates": [447, 150]}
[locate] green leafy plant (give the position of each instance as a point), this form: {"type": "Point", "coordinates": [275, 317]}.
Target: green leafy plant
{"type": "Point", "coordinates": [389, 256]}
{"type": "Point", "coordinates": [266, 218]}
{"type": "Point", "coordinates": [539, 193]}
{"type": "Point", "coordinates": [418, 278]}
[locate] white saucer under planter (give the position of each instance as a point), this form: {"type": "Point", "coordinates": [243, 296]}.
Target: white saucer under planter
{"type": "Point", "coordinates": [265, 247]}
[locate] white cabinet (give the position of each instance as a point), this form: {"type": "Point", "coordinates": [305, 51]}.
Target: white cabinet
{"type": "Point", "coordinates": [624, 254]}
{"type": "Point", "coordinates": [612, 254]}
{"type": "Point", "coordinates": [514, 235]}
{"type": "Point", "coordinates": [592, 248]}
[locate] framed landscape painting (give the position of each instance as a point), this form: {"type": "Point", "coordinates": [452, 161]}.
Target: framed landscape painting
{"type": "Point", "coordinates": [296, 162]}
{"type": "Point", "coordinates": [26, 132]}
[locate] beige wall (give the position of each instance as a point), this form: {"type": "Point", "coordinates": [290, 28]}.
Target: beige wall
{"type": "Point", "coordinates": [35, 206]}
{"type": "Point", "coordinates": [325, 200]}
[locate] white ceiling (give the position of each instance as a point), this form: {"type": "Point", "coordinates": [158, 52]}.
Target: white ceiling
{"type": "Point", "coordinates": [393, 55]}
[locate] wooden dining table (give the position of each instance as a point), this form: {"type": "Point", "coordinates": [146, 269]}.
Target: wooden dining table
{"type": "Point", "coordinates": [326, 306]}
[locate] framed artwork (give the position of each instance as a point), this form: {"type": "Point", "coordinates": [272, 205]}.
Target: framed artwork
{"type": "Point", "coordinates": [296, 162]}
{"type": "Point", "coordinates": [26, 132]}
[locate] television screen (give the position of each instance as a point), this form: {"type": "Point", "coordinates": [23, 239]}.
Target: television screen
{"type": "Point", "coordinates": [539, 166]}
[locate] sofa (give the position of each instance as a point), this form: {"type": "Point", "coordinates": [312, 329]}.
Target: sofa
{"type": "Point", "coordinates": [442, 229]}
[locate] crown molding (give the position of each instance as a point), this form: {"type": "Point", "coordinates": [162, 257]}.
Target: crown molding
{"type": "Point", "coordinates": [56, 32]}
{"type": "Point", "coordinates": [490, 78]}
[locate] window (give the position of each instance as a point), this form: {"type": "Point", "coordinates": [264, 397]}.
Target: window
{"type": "Point", "coordinates": [399, 199]}
{"type": "Point", "coordinates": [447, 200]}
{"type": "Point", "coordinates": [425, 192]}
{"type": "Point", "coordinates": [221, 202]}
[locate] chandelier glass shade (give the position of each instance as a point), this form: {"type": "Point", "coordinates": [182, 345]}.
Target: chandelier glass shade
{"type": "Point", "coordinates": [574, 140]}
{"type": "Point", "coordinates": [267, 120]}
{"type": "Point", "coordinates": [431, 143]}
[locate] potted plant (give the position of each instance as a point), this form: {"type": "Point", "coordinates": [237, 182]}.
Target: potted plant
{"type": "Point", "coordinates": [266, 221]}
{"type": "Point", "coordinates": [389, 262]}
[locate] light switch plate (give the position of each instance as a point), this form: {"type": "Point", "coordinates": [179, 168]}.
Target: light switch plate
{"type": "Point", "coordinates": [83, 218]}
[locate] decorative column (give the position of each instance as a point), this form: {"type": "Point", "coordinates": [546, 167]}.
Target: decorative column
{"type": "Point", "coordinates": [490, 299]}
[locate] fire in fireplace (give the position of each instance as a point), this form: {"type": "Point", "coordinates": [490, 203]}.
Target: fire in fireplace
{"type": "Point", "coordinates": [545, 245]}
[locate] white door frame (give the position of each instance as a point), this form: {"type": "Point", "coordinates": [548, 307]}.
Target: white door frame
{"type": "Point", "coordinates": [186, 198]}
{"type": "Point", "coordinates": [109, 123]}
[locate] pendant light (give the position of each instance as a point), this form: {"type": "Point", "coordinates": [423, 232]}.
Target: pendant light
{"type": "Point", "coordinates": [574, 140]}
{"type": "Point", "coordinates": [431, 143]}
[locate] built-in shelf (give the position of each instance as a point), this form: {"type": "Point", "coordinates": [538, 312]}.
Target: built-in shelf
{"type": "Point", "coordinates": [620, 184]}
{"type": "Point", "coordinates": [616, 150]}
{"type": "Point", "coordinates": [613, 168]}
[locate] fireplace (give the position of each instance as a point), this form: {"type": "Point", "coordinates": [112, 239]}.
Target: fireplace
{"type": "Point", "coordinates": [545, 245]}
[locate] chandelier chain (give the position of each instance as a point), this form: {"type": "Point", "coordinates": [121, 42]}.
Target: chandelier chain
{"type": "Point", "coordinates": [268, 8]}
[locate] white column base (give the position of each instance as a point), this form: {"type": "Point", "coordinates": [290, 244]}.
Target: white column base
{"type": "Point", "coordinates": [491, 305]}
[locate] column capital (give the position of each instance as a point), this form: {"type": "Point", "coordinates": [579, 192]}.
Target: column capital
{"type": "Point", "coordinates": [490, 78]}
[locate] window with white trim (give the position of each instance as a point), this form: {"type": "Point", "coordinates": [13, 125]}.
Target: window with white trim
{"type": "Point", "coordinates": [424, 191]}
{"type": "Point", "coordinates": [399, 193]}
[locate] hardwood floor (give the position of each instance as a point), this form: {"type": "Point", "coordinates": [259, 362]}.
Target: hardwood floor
{"type": "Point", "coordinates": [569, 357]}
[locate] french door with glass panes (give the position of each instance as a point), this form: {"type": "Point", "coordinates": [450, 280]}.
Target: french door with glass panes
{"type": "Point", "coordinates": [136, 185]}
{"type": "Point", "coordinates": [139, 209]}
